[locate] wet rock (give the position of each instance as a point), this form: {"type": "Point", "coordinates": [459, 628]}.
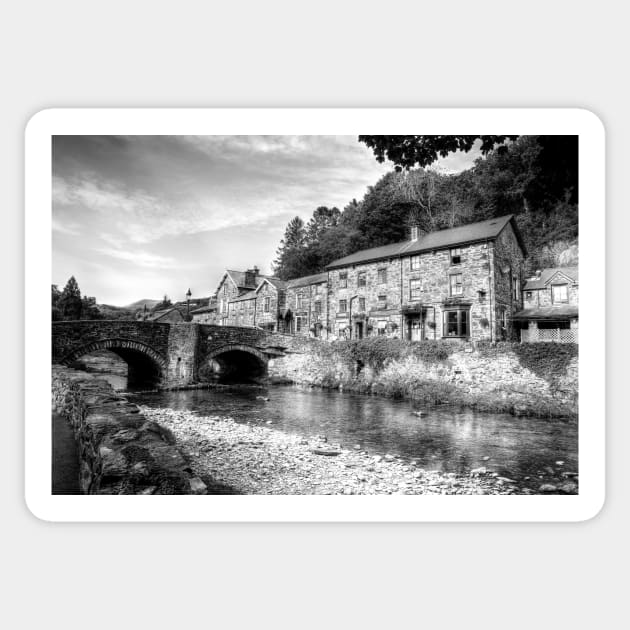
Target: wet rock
{"type": "Point", "coordinates": [325, 451]}
{"type": "Point", "coordinates": [569, 487]}
{"type": "Point", "coordinates": [197, 486]}
{"type": "Point", "coordinates": [476, 472]}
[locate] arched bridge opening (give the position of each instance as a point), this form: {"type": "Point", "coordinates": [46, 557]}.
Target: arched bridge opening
{"type": "Point", "coordinates": [234, 364]}
{"type": "Point", "coordinates": [145, 368]}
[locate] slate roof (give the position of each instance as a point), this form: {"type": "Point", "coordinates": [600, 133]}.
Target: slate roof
{"type": "Point", "coordinates": [239, 279]}
{"type": "Point", "coordinates": [156, 315]}
{"type": "Point", "coordinates": [547, 274]}
{"type": "Point", "coordinates": [250, 295]}
{"type": "Point", "coordinates": [471, 233]}
{"type": "Point", "coordinates": [204, 309]}
{"type": "Point", "coordinates": [307, 280]}
{"type": "Point", "coordinates": [276, 282]}
{"type": "Point", "coordinates": [566, 311]}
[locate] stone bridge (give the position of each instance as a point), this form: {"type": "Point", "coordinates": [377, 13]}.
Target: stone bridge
{"type": "Point", "coordinates": [173, 355]}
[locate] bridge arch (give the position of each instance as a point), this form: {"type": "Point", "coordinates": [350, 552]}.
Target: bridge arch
{"type": "Point", "coordinates": [146, 366]}
{"type": "Point", "coordinates": [235, 363]}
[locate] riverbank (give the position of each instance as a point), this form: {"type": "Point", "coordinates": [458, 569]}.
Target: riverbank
{"type": "Point", "coordinates": [539, 380]}
{"type": "Point", "coordinates": [262, 460]}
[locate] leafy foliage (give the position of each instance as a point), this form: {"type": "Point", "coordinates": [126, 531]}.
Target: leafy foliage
{"type": "Point", "coordinates": [532, 177]}
{"type": "Point", "coordinates": [69, 305]}
{"type": "Point", "coordinates": [410, 151]}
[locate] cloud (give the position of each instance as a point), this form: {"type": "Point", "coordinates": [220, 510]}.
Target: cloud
{"type": "Point", "coordinates": [71, 229]}
{"type": "Point", "coordinates": [141, 258]}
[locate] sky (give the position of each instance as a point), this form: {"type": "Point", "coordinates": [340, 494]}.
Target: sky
{"type": "Point", "coordinates": [140, 217]}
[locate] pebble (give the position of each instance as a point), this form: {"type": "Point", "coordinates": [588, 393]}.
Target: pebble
{"type": "Point", "coordinates": [256, 459]}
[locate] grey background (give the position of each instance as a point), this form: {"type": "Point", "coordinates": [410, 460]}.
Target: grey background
{"type": "Point", "coordinates": [316, 54]}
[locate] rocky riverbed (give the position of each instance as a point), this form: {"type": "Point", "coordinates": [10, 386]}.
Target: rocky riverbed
{"type": "Point", "coordinates": [262, 460]}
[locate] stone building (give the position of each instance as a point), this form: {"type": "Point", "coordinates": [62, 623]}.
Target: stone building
{"type": "Point", "coordinates": [233, 285]}
{"type": "Point", "coordinates": [295, 307]}
{"type": "Point", "coordinates": [172, 315]}
{"type": "Point", "coordinates": [550, 306]}
{"type": "Point", "coordinates": [306, 309]}
{"type": "Point", "coordinates": [205, 314]}
{"type": "Point", "coordinates": [459, 283]}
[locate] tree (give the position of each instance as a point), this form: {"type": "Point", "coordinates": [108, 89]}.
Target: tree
{"type": "Point", "coordinates": [89, 309]}
{"type": "Point", "coordinates": [291, 260]}
{"type": "Point", "coordinates": [70, 300]}
{"type": "Point", "coordinates": [164, 304]}
{"type": "Point", "coordinates": [323, 219]}
{"type": "Point", "coordinates": [56, 311]}
{"type": "Point", "coordinates": [409, 151]}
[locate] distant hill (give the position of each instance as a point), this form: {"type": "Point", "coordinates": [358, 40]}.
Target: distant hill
{"type": "Point", "coordinates": [134, 306]}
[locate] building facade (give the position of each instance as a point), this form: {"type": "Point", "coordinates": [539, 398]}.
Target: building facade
{"type": "Point", "coordinates": [550, 306]}
{"type": "Point", "coordinates": [461, 283]}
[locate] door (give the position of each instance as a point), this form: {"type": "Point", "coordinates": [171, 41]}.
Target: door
{"type": "Point", "coordinates": [414, 328]}
{"type": "Point", "coordinates": [359, 330]}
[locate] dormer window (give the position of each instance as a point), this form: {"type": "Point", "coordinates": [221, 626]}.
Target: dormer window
{"type": "Point", "coordinates": [456, 255]}
{"type": "Point", "coordinates": [559, 293]}
{"type": "Point", "coordinates": [414, 232]}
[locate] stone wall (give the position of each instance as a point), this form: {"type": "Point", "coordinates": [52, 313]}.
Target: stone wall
{"type": "Point", "coordinates": [495, 377]}
{"type": "Point", "coordinates": [120, 451]}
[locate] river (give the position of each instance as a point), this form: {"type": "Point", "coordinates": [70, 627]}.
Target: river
{"type": "Point", "coordinates": [525, 449]}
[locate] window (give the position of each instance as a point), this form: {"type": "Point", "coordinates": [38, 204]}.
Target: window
{"type": "Point", "coordinates": [415, 262]}
{"type": "Point", "coordinates": [414, 232]}
{"type": "Point", "coordinates": [361, 304]}
{"type": "Point", "coordinates": [455, 284]}
{"type": "Point", "coordinates": [317, 307]}
{"type": "Point", "coordinates": [559, 293]}
{"type": "Point", "coordinates": [456, 255]}
{"type": "Point", "coordinates": [456, 323]}
{"type": "Point", "coordinates": [299, 301]}
{"type": "Point", "coordinates": [281, 300]}
{"type": "Point", "coordinates": [299, 324]}
{"type": "Point", "coordinates": [343, 306]}
{"type": "Point", "coordinates": [563, 325]}
{"type": "Point", "coordinates": [415, 289]}
{"type": "Point", "coordinates": [382, 276]}
{"type": "Point", "coordinates": [343, 279]}
{"type": "Point", "coordinates": [266, 305]}
{"type": "Point", "coordinates": [516, 288]}
{"type": "Point", "coordinates": [361, 279]}
{"type": "Point", "coordinates": [382, 301]}
{"type": "Point", "coordinates": [382, 326]}
{"type": "Point", "coordinates": [529, 295]}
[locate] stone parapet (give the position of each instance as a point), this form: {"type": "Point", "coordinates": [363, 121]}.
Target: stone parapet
{"type": "Point", "coordinates": [120, 451]}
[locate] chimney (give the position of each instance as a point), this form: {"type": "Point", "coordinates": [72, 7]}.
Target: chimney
{"type": "Point", "coordinates": [416, 232]}
{"type": "Point", "coordinates": [538, 273]}
{"type": "Point", "coordinates": [250, 277]}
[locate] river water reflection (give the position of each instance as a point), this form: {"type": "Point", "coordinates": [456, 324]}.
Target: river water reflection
{"type": "Point", "coordinates": [445, 439]}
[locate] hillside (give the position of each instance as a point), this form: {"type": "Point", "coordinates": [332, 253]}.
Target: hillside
{"type": "Point", "coordinates": [533, 178]}
{"type": "Point", "coordinates": [134, 306]}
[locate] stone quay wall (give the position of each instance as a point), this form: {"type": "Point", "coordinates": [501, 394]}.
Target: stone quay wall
{"type": "Point", "coordinates": [120, 451]}
{"type": "Point", "coordinates": [503, 377]}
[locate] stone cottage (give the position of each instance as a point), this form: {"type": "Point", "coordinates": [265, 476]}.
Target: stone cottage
{"type": "Point", "coordinates": [550, 306]}
{"type": "Point", "coordinates": [233, 285]}
{"type": "Point", "coordinates": [459, 283]}
{"type": "Point", "coordinates": [297, 307]}
{"type": "Point", "coordinates": [205, 314]}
